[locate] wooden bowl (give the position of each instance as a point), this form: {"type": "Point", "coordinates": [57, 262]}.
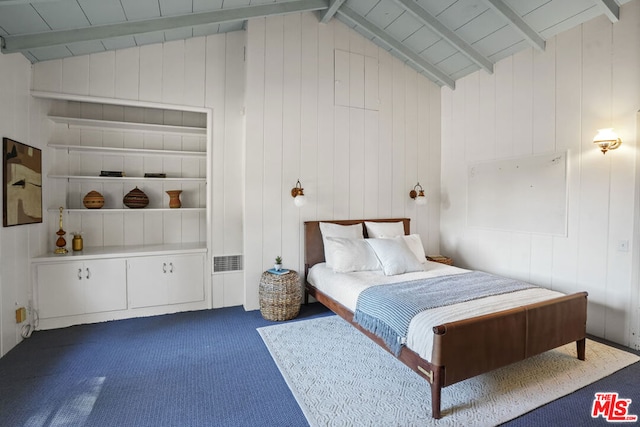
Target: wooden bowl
{"type": "Point", "coordinates": [93, 200]}
{"type": "Point", "coordinates": [135, 199]}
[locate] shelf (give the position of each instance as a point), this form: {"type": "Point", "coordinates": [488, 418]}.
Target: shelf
{"type": "Point", "coordinates": [112, 125]}
{"type": "Point", "coordinates": [122, 151]}
{"type": "Point", "coordinates": [124, 251]}
{"type": "Point", "coordinates": [116, 210]}
{"type": "Point", "coordinates": [123, 178]}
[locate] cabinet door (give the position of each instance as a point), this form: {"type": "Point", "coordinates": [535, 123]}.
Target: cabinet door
{"type": "Point", "coordinates": [146, 281]}
{"type": "Point", "coordinates": [164, 280]}
{"type": "Point", "coordinates": [186, 278]}
{"type": "Point", "coordinates": [59, 289]}
{"type": "Point", "coordinates": [71, 288]}
{"type": "Point", "coordinates": [105, 284]}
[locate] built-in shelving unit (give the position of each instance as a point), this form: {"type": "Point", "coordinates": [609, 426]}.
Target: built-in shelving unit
{"type": "Point", "coordinates": [135, 262]}
{"type": "Point", "coordinates": [83, 146]}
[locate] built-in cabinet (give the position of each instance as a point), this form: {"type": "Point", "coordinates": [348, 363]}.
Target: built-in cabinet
{"type": "Point", "coordinates": [135, 262]}
{"type": "Point", "coordinates": [101, 284]}
{"type": "Point", "coordinates": [81, 287]}
{"type": "Point", "coordinates": [165, 280]}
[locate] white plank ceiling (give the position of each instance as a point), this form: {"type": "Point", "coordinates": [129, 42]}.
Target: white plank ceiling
{"type": "Point", "coordinates": [443, 39]}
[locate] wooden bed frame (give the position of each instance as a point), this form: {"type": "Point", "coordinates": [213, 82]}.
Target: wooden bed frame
{"type": "Point", "coordinates": [470, 347]}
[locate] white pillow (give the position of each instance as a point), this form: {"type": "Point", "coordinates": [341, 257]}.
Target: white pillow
{"type": "Point", "coordinates": [329, 229]}
{"type": "Point", "coordinates": [336, 230]}
{"type": "Point", "coordinates": [346, 255]}
{"type": "Point", "coordinates": [379, 230]}
{"type": "Point", "coordinates": [414, 242]}
{"type": "Point", "coordinates": [395, 256]}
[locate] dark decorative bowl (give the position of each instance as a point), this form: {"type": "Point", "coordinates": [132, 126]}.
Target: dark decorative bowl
{"type": "Point", "coordinates": [135, 199]}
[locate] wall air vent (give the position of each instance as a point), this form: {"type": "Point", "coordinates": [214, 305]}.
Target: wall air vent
{"type": "Point", "coordinates": [224, 263]}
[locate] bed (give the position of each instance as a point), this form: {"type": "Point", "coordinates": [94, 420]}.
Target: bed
{"type": "Point", "coordinates": [457, 349]}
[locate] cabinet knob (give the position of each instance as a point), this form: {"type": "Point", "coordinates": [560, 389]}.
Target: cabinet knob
{"type": "Point", "coordinates": [88, 273]}
{"type": "Point", "coordinates": [79, 274]}
{"type": "Point", "coordinates": [164, 267]}
{"type": "Point", "coordinates": [170, 267]}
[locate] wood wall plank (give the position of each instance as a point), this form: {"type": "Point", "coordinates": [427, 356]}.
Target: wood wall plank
{"type": "Point", "coordinates": [291, 136]}
{"type": "Point", "coordinates": [371, 160]}
{"type": "Point", "coordinates": [355, 135]}
{"type": "Point", "coordinates": [523, 103]}
{"type": "Point", "coordinates": [322, 198]}
{"type": "Point", "coordinates": [102, 68]}
{"type": "Point", "coordinates": [398, 188]}
{"type": "Point", "coordinates": [310, 104]}
{"type": "Point", "coordinates": [150, 88]}
{"type": "Point", "coordinates": [385, 135]}
{"type": "Point", "coordinates": [127, 73]}
{"type": "Point", "coordinates": [194, 71]}
{"type": "Point", "coordinates": [272, 195]}
{"type": "Point", "coordinates": [254, 164]}
{"type": "Point", "coordinates": [173, 72]}
{"type": "Point", "coordinates": [75, 75]}
{"type": "Point", "coordinates": [233, 141]}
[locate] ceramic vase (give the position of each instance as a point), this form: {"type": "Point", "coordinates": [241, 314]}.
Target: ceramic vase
{"type": "Point", "coordinates": [174, 198]}
{"type": "Point", "coordinates": [135, 199]}
{"type": "Point", "coordinates": [93, 200]}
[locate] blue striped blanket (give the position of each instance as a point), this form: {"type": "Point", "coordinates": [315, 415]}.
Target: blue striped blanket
{"type": "Point", "coordinates": [387, 310]}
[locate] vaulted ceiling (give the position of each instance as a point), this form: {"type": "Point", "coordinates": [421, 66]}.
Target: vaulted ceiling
{"type": "Point", "coordinates": [443, 39]}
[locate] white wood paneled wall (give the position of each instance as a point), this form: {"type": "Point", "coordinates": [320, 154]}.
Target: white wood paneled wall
{"type": "Point", "coordinates": [198, 72]}
{"type": "Point", "coordinates": [354, 159]}
{"type": "Point", "coordinates": [17, 243]}
{"type": "Point", "coordinates": [537, 102]}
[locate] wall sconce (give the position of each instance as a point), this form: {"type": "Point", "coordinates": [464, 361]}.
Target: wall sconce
{"type": "Point", "coordinates": [607, 139]}
{"type": "Point", "coordinates": [418, 196]}
{"type": "Point", "coordinates": [297, 193]}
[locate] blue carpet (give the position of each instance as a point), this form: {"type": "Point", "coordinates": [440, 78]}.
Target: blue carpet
{"type": "Point", "coordinates": [203, 368]}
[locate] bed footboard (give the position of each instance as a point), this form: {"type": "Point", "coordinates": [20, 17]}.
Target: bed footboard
{"type": "Point", "coordinates": [473, 346]}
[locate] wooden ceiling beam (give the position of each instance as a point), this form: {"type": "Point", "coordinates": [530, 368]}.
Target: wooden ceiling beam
{"type": "Point", "coordinates": [451, 37]}
{"type": "Point", "coordinates": [334, 5]}
{"type": "Point", "coordinates": [611, 9]}
{"type": "Point", "coordinates": [517, 23]}
{"type": "Point", "coordinates": [419, 62]}
{"type": "Point", "coordinates": [25, 42]}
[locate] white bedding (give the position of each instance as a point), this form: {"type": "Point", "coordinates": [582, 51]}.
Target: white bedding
{"type": "Point", "coordinates": [345, 288]}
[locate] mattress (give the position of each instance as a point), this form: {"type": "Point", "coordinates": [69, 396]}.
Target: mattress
{"type": "Point", "coordinates": [346, 287]}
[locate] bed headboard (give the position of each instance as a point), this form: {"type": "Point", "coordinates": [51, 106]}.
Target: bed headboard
{"type": "Point", "coordinates": [313, 246]}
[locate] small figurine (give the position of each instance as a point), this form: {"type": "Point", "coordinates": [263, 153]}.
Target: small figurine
{"type": "Point", "coordinates": [61, 242]}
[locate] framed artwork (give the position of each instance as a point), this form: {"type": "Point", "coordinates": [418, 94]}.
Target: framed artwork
{"type": "Point", "coordinates": [22, 183]}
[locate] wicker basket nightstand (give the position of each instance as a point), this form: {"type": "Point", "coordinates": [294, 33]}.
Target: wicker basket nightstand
{"type": "Point", "coordinates": [280, 295]}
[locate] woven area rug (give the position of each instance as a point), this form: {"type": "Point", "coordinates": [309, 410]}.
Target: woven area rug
{"type": "Point", "coordinates": [341, 378]}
